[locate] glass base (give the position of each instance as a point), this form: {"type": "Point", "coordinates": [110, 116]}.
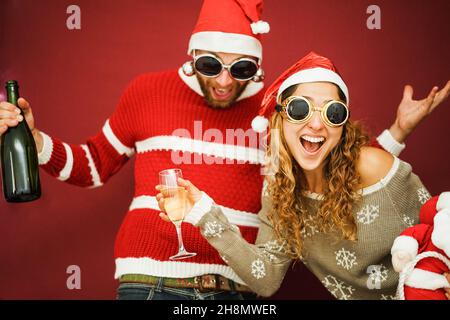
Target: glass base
{"type": "Point", "coordinates": [183, 255]}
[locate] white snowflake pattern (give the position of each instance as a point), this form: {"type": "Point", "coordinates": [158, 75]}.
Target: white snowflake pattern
{"type": "Point", "coordinates": [213, 229]}
{"type": "Point", "coordinates": [368, 214]}
{"type": "Point", "coordinates": [423, 195]}
{"type": "Point", "coordinates": [274, 245]}
{"type": "Point", "coordinates": [338, 288]}
{"type": "Point", "coordinates": [258, 269]}
{"type": "Point", "coordinates": [378, 274]}
{"type": "Point", "coordinates": [345, 259]}
{"type": "Point", "coordinates": [388, 297]}
{"type": "Point", "coordinates": [268, 255]}
{"type": "Point", "coordinates": [309, 229]}
{"type": "Point", "coordinates": [408, 220]}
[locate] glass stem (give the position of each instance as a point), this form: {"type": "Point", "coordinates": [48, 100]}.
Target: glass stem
{"type": "Point", "coordinates": [180, 237]}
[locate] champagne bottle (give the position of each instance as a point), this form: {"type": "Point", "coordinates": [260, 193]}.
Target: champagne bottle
{"type": "Point", "coordinates": [19, 161]}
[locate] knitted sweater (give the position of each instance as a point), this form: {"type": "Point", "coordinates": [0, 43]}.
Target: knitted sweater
{"type": "Point", "coordinates": [349, 270]}
{"type": "Point", "coordinates": [163, 120]}
{"type": "Point", "coordinates": [165, 124]}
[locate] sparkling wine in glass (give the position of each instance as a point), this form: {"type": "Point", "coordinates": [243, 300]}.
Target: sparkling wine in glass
{"type": "Point", "coordinates": [175, 205]}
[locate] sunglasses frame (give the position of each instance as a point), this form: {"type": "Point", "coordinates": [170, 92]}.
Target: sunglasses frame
{"type": "Point", "coordinates": [225, 66]}
{"type": "Point", "coordinates": [312, 109]}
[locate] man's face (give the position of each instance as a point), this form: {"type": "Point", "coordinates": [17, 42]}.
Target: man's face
{"type": "Point", "coordinates": [221, 91]}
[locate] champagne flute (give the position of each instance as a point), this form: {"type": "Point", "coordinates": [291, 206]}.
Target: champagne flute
{"type": "Point", "coordinates": [175, 205]}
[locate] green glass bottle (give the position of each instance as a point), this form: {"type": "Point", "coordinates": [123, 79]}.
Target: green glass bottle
{"type": "Point", "coordinates": [19, 160]}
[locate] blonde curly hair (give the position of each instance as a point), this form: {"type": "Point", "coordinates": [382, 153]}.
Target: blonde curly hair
{"type": "Point", "coordinates": [288, 213]}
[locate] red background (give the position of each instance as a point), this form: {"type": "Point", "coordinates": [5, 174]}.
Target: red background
{"type": "Point", "coordinates": [73, 80]}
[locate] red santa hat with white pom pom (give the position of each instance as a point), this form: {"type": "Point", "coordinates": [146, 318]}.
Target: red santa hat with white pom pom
{"type": "Point", "coordinates": [310, 68]}
{"type": "Point", "coordinates": [231, 26]}
{"type": "Point", "coordinates": [435, 212]}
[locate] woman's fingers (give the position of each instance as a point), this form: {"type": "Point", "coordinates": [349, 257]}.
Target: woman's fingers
{"type": "Point", "coordinates": [160, 199]}
{"type": "Point", "coordinates": [164, 217]}
{"type": "Point", "coordinates": [432, 94]}
{"type": "Point", "coordinates": [188, 185]}
{"type": "Point", "coordinates": [441, 95]}
{"type": "Point", "coordinates": [408, 92]}
{"type": "Point", "coordinates": [184, 183]}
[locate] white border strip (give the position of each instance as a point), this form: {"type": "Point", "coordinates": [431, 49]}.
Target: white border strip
{"type": "Point", "coordinates": [217, 41]}
{"type": "Point", "coordinates": [220, 150]}
{"type": "Point", "coordinates": [67, 170]}
{"type": "Point", "coordinates": [423, 279]}
{"type": "Point", "coordinates": [115, 142]}
{"type": "Point", "coordinates": [237, 217]}
{"type": "Point", "coordinates": [144, 202]}
{"type": "Point", "coordinates": [47, 149]}
{"type": "Point", "coordinates": [94, 173]}
{"type": "Point", "coordinates": [241, 218]}
{"type": "Point", "coordinates": [314, 75]}
{"type": "Point", "coordinates": [171, 269]}
{"type": "Point", "coordinates": [388, 142]}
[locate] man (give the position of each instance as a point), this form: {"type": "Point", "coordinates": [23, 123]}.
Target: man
{"type": "Point", "coordinates": [181, 119]}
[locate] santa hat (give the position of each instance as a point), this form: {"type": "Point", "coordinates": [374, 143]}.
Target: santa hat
{"type": "Point", "coordinates": [231, 26]}
{"type": "Point", "coordinates": [435, 212]}
{"type": "Point", "coordinates": [428, 211]}
{"type": "Point", "coordinates": [441, 231]}
{"type": "Point", "coordinates": [311, 68]}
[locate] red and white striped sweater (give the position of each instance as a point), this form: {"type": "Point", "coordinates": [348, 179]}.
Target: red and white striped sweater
{"type": "Point", "coordinates": [152, 107]}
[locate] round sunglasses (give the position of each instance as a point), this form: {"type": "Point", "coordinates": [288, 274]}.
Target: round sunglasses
{"type": "Point", "coordinates": [242, 69]}
{"type": "Point", "coordinates": [299, 109]}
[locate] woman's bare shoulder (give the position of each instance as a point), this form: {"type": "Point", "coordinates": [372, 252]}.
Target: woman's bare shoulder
{"type": "Point", "coordinates": [373, 165]}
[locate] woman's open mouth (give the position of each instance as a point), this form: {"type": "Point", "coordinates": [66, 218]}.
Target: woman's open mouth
{"type": "Point", "coordinates": [312, 145]}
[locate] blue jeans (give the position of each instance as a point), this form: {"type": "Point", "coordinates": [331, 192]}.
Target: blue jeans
{"type": "Point", "coordinates": [142, 291]}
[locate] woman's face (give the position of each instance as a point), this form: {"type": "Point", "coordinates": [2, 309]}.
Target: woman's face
{"type": "Point", "coordinates": [311, 142]}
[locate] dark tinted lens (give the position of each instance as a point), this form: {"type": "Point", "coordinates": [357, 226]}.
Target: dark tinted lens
{"type": "Point", "coordinates": [243, 70]}
{"type": "Point", "coordinates": [298, 109]}
{"type": "Point", "coordinates": [208, 66]}
{"type": "Point", "coordinates": [336, 113]}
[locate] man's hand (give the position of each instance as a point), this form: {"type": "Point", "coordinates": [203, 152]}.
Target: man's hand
{"type": "Point", "coordinates": [10, 117]}
{"type": "Point", "coordinates": [411, 112]}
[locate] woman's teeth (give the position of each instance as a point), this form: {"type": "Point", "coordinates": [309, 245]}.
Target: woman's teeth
{"type": "Point", "coordinates": [311, 144]}
{"type": "Point", "coordinates": [313, 139]}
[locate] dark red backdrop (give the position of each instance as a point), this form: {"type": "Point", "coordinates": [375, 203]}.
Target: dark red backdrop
{"type": "Point", "coordinates": [74, 79]}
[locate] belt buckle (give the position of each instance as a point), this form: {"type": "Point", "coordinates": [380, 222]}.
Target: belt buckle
{"type": "Point", "coordinates": [207, 282]}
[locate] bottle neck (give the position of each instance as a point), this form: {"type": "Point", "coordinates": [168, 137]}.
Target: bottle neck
{"type": "Point", "coordinates": [12, 94]}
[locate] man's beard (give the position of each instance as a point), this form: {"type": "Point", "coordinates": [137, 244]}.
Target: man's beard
{"type": "Point", "coordinates": [205, 84]}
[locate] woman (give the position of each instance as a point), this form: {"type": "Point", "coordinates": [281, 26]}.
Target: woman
{"type": "Point", "coordinates": [333, 202]}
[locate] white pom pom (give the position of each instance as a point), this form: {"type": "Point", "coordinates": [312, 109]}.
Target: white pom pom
{"type": "Point", "coordinates": [260, 27]}
{"type": "Point", "coordinates": [259, 124]}
{"type": "Point", "coordinates": [443, 201]}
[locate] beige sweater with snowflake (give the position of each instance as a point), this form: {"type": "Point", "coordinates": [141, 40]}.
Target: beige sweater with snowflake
{"type": "Point", "coordinates": [349, 270]}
